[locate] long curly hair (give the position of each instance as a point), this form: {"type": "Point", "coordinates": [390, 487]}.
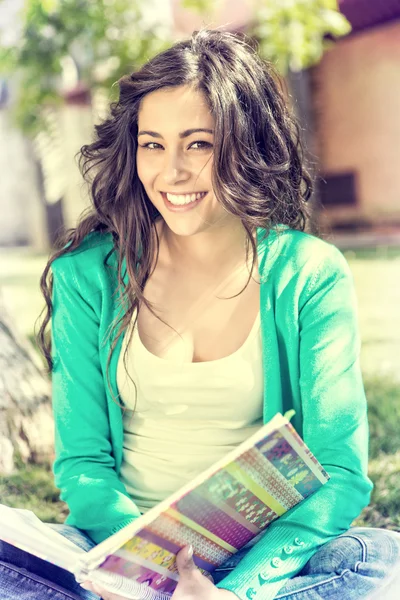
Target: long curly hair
{"type": "Point", "coordinates": [258, 168]}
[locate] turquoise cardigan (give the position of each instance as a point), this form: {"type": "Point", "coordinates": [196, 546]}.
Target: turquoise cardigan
{"type": "Point", "coordinates": [311, 350]}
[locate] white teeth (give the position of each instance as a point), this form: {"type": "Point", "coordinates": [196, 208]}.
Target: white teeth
{"type": "Point", "coordinates": [184, 199]}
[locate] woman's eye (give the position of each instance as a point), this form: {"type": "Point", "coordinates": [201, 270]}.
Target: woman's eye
{"type": "Point", "coordinates": [200, 145]}
{"type": "Point", "coordinates": [151, 146]}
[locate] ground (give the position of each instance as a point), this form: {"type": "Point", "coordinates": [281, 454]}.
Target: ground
{"type": "Point", "coordinates": [376, 273]}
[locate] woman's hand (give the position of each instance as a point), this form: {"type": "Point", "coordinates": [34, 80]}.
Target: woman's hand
{"type": "Point", "coordinates": [192, 584]}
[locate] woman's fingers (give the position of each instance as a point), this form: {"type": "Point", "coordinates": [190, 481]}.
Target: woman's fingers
{"type": "Point", "coordinates": [184, 560]}
{"type": "Point", "coordinates": [87, 585]}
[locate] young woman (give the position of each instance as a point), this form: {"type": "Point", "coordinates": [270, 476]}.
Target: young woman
{"type": "Point", "coordinates": [188, 307]}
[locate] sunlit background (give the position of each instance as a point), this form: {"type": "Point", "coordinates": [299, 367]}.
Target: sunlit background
{"type": "Point", "coordinates": [59, 61]}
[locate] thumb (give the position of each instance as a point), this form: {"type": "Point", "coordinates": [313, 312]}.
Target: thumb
{"type": "Point", "coordinates": [185, 562]}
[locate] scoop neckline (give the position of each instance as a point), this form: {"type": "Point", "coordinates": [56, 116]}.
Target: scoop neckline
{"type": "Point", "coordinates": [167, 362]}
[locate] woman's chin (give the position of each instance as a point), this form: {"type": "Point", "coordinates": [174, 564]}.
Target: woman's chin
{"type": "Point", "coordinates": [185, 227]}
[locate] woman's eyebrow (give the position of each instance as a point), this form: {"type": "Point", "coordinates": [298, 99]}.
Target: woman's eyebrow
{"type": "Point", "coordinates": [183, 134]}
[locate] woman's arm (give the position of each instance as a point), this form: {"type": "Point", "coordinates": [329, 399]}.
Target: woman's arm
{"type": "Point", "coordinates": [334, 427]}
{"type": "Point", "coordinates": [84, 467]}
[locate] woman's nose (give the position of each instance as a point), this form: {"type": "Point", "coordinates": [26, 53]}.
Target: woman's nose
{"type": "Point", "coordinates": [174, 169]}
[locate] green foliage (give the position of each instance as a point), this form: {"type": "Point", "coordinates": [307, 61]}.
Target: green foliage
{"type": "Point", "coordinates": [384, 509]}
{"type": "Point", "coordinates": [32, 487]}
{"type": "Point", "coordinates": [384, 417]}
{"type": "Point", "coordinates": [384, 468]}
{"type": "Point", "coordinates": [382, 253]}
{"type": "Point", "coordinates": [107, 38]}
{"type": "Point", "coordinates": [291, 33]}
{"type": "Point", "coordinates": [199, 6]}
{"type": "Point", "coordinates": [102, 40]}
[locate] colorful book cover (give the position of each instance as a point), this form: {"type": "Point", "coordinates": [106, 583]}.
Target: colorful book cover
{"type": "Point", "coordinates": [218, 513]}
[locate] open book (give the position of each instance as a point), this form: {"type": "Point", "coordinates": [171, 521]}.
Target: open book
{"type": "Point", "coordinates": [218, 513]}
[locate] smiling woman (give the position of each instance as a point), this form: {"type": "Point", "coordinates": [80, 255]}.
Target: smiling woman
{"type": "Point", "coordinates": [189, 306]}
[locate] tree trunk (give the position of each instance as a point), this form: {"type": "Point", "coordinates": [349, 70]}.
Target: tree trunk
{"type": "Point", "coordinates": [300, 88]}
{"type": "Point", "coordinates": [26, 421]}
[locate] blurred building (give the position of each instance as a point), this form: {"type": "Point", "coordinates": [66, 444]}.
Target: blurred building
{"type": "Point", "coordinates": [41, 189]}
{"type": "Point", "coordinates": [350, 105]}
{"type": "Point", "coordinates": [356, 105]}
{"type": "Point", "coordinates": [22, 211]}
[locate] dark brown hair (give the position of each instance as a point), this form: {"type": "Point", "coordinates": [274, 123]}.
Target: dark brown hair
{"type": "Point", "coordinates": [258, 169]}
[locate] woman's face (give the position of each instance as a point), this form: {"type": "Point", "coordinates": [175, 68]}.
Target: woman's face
{"type": "Point", "coordinates": [175, 159]}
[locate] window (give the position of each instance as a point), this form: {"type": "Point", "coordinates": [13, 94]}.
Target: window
{"type": "Point", "coordinates": [338, 189]}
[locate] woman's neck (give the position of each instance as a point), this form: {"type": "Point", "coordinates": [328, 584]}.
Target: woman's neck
{"type": "Point", "coordinates": [211, 252]}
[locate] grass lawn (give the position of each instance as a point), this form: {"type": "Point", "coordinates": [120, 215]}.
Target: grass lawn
{"type": "Point", "coordinates": [376, 274]}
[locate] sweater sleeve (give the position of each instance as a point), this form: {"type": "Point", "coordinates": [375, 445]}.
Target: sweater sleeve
{"type": "Point", "coordinates": [84, 467]}
{"type": "Point", "coordinates": [334, 427]}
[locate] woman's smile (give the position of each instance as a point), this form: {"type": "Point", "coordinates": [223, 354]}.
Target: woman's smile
{"type": "Point", "coordinates": [182, 202]}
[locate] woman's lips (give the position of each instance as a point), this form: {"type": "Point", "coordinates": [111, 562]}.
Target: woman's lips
{"type": "Point", "coordinates": [181, 207]}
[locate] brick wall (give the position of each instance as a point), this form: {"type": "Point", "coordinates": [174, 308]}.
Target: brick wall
{"type": "Point", "coordinates": [357, 109]}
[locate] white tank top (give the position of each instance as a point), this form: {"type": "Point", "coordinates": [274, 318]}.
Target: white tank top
{"type": "Point", "coordinates": [185, 416]}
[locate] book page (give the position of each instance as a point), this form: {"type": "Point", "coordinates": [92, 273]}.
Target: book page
{"type": "Point", "coordinates": [23, 529]}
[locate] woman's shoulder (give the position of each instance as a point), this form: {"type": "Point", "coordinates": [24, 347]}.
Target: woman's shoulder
{"type": "Point", "coordinates": [299, 261]}
{"type": "Point", "coordinates": [299, 251]}
{"type": "Point", "coordinates": [92, 258]}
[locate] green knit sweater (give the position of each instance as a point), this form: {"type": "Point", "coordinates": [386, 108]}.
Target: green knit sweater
{"type": "Point", "coordinates": [311, 350]}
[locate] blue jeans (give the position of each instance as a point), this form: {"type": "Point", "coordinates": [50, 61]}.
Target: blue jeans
{"type": "Point", "coordinates": [361, 563]}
